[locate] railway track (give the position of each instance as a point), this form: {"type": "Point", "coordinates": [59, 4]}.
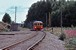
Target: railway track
{"type": "Point", "coordinates": [31, 47]}
{"type": "Point", "coordinates": [16, 39]}
{"type": "Point", "coordinates": [27, 44]}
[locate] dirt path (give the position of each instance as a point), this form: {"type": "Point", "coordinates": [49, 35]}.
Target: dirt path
{"type": "Point", "coordinates": [50, 42]}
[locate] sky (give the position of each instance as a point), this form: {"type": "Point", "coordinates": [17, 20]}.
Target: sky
{"type": "Point", "coordinates": [9, 7]}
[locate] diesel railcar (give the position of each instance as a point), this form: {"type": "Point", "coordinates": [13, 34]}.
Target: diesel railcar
{"type": "Point", "coordinates": [37, 25]}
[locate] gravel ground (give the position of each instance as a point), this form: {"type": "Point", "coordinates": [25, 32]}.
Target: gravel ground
{"type": "Point", "coordinates": [26, 44]}
{"type": "Point", "coordinates": [50, 42]}
{"type": "Point", "coordinates": [8, 40]}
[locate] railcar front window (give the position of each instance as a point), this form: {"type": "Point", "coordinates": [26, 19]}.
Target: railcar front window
{"type": "Point", "coordinates": [40, 23]}
{"type": "Point", "coordinates": [35, 24]}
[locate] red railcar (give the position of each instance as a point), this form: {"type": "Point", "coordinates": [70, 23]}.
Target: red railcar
{"type": "Point", "coordinates": [38, 25]}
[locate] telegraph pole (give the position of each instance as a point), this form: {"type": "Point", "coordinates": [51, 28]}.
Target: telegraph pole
{"type": "Point", "coordinates": [15, 13]}
{"type": "Point", "coordinates": [46, 19]}
{"type": "Point", "coordinates": [49, 20]}
{"type": "Point", "coordinates": [61, 18]}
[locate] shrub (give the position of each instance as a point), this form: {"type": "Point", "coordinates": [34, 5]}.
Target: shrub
{"type": "Point", "coordinates": [72, 41]}
{"type": "Point", "coordinates": [62, 37]}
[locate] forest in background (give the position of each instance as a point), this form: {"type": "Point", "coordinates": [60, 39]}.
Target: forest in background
{"type": "Point", "coordinates": [40, 11]}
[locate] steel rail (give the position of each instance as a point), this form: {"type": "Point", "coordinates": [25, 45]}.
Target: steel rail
{"type": "Point", "coordinates": [30, 48]}
{"type": "Point", "coordinates": [6, 48]}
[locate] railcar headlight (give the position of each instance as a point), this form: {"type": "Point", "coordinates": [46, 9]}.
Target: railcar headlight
{"type": "Point", "coordinates": [41, 27]}
{"type": "Point", "coordinates": [35, 27]}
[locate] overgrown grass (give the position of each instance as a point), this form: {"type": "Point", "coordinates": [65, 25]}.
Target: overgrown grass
{"type": "Point", "coordinates": [57, 31]}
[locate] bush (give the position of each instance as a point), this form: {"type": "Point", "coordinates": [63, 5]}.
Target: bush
{"type": "Point", "coordinates": [71, 44]}
{"type": "Point", "coordinates": [62, 37]}
{"type": "Point", "coordinates": [72, 41]}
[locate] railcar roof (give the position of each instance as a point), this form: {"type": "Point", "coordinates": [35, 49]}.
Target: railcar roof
{"type": "Point", "coordinates": [38, 22]}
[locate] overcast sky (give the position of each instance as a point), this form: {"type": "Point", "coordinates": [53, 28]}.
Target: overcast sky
{"type": "Point", "coordinates": [9, 7]}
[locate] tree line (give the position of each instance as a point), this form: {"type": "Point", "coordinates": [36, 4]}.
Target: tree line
{"type": "Point", "coordinates": [57, 9]}
{"type": "Point", "coordinates": [6, 18]}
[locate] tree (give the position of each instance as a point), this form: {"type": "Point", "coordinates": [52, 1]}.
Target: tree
{"type": "Point", "coordinates": [69, 14]}
{"type": "Point", "coordinates": [6, 18]}
{"type": "Point", "coordinates": [38, 10]}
